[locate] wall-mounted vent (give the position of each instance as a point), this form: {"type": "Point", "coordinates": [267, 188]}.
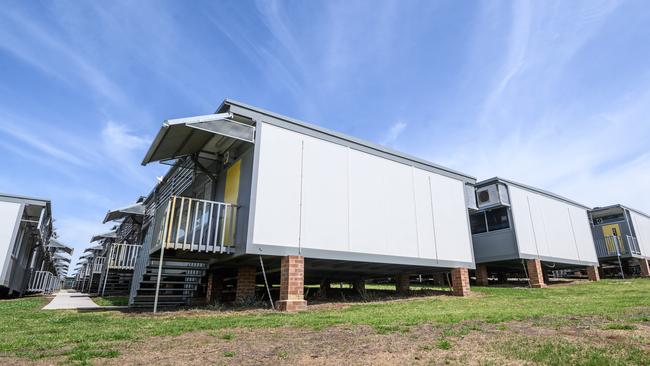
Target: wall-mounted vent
{"type": "Point", "coordinates": [492, 195]}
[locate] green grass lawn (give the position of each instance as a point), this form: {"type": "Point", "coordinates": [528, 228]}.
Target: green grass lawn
{"type": "Point", "coordinates": [112, 300]}
{"type": "Point", "coordinates": [26, 331]}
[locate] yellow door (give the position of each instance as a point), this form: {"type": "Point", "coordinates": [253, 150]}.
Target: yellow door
{"type": "Point", "coordinates": [231, 193]}
{"type": "Point", "coordinates": [609, 231]}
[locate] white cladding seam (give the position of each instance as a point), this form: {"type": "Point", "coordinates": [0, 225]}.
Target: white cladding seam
{"type": "Point", "coordinates": [573, 232]}
{"type": "Point", "coordinates": [289, 142]}
{"type": "Point", "coordinates": [433, 220]}
{"type": "Point", "coordinates": [415, 213]}
{"type": "Point", "coordinates": [553, 228]}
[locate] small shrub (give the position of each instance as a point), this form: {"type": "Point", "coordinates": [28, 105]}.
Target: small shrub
{"type": "Point", "coordinates": [229, 354]}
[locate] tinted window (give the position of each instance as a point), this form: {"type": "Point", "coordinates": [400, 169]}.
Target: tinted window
{"type": "Point", "coordinates": [477, 222]}
{"type": "Point", "coordinates": [497, 219]}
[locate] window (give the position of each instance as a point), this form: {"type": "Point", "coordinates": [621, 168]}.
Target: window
{"type": "Point", "coordinates": [477, 223]}
{"type": "Point", "coordinates": [497, 219]}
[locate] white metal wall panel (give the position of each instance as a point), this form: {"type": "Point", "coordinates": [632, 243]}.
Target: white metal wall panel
{"type": "Point", "coordinates": [548, 227]}
{"type": "Point", "coordinates": [8, 215]}
{"type": "Point", "coordinates": [424, 215]}
{"type": "Point", "coordinates": [521, 216]}
{"type": "Point", "coordinates": [402, 236]}
{"type": "Point", "coordinates": [450, 216]}
{"type": "Point", "coordinates": [368, 204]}
{"type": "Point", "coordinates": [560, 239]}
{"type": "Point", "coordinates": [583, 235]}
{"type": "Point", "coordinates": [642, 230]}
{"type": "Point", "coordinates": [316, 194]}
{"type": "Point", "coordinates": [277, 210]}
{"type": "Point", "coordinates": [324, 195]}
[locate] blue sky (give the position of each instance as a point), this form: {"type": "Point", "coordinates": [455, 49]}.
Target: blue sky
{"type": "Point", "coordinates": [553, 94]}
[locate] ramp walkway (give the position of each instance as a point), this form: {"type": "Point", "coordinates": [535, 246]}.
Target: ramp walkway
{"type": "Point", "coordinates": [71, 300]}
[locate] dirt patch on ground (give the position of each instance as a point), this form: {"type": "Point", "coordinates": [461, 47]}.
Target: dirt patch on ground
{"type": "Point", "coordinates": [467, 344]}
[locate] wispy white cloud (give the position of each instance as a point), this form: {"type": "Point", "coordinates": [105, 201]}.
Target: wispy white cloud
{"type": "Point", "coordinates": [48, 148]}
{"type": "Point", "coordinates": [124, 150]}
{"type": "Point", "coordinates": [526, 130]}
{"type": "Point", "coordinates": [18, 27]}
{"type": "Point", "coordinates": [394, 133]}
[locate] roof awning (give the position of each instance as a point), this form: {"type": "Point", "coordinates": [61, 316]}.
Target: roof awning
{"type": "Point", "coordinates": [108, 235]}
{"type": "Point", "coordinates": [120, 213]}
{"type": "Point", "coordinates": [60, 246]}
{"type": "Point", "coordinates": [94, 249]}
{"type": "Point", "coordinates": [57, 257]}
{"type": "Point", "coordinates": [212, 133]}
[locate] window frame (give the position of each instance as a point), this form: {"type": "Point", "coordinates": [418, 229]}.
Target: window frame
{"type": "Point", "coordinates": [487, 224]}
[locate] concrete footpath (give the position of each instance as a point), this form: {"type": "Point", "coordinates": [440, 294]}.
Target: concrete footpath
{"type": "Point", "coordinates": [66, 299]}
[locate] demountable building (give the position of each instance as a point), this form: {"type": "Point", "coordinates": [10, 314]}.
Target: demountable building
{"type": "Point", "coordinates": [622, 237]}
{"type": "Point", "coordinates": [249, 186]}
{"type": "Point", "coordinates": [30, 258]}
{"type": "Point", "coordinates": [518, 228]}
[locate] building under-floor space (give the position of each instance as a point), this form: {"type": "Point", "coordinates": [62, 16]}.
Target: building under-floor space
{"type": "Point", "coordinates": [524, 232]}
{"type": "Point", "coordinates": [622, 238]}
{"type": "Point", "coordinates": [247, 186]}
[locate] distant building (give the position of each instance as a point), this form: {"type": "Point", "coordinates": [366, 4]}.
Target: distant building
{"type": "Point", "coordinates": [521, 229]}
{"type": "Point", "coordinates": [622, 237]}
{"type": "Point", "coordinates": [31, 260]}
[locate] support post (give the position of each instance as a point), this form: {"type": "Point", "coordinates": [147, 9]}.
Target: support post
{"type": "Point", "coordinates": [168, 215]}
{"type": "Point", "coordinates": [403, 283]}
{"type": "Point", "coordinates": [535, 275]}
{"type": "Point", "coordinates": [324, 288]}
{"type": "Point", "coordinates": [292, 284]}
{"type": "Point", "coordinates": [209, 292]}
{"type": "Point", "coordinates": [108, 268]}
{"type": "Point", "coordinates": [593, 273]}
{"type": "Point", "coordinates": [645, 267]}
{"type": "Point", "coordinates": [245, 283]}
{"type": "Point", "coordinates": [482, 275]}
{"type": "Point", "coordinates": [460, 281]}
{"type": "Point", "coordinates": [105, 280]}
{"type": "Point", "coordinates": [359, 286]}
{"type": "Point", "coordinates": [160, 265]}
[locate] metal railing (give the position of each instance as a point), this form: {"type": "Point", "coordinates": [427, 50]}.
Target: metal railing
{"type": "Point", "coordinates": [616, 246]}
{"type": "Point", "coordinates": [44, 281]}
{"type": "Point", "coordinates": [123, 256]}
{"type": "Point", "coordinates": [98, 264]}
{"type": "Point", "coordinates": [198, 225]}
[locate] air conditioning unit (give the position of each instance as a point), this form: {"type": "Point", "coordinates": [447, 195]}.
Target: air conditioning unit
{"type": "Point", "coordinates": [492, 195]}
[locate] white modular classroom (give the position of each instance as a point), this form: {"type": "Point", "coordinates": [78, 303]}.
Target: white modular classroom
{"type": "Point", "coordinates": [339, 204]}
{"type": "Point", "coordinates": [514, 222]}
{"type": "Point", "coordinates": [29, 260]}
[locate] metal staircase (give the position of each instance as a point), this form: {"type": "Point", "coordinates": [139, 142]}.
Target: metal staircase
{"type": "Point", "coordinates": [116, 282]}
{"type": "Point", "coordinates": [179, 282]}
